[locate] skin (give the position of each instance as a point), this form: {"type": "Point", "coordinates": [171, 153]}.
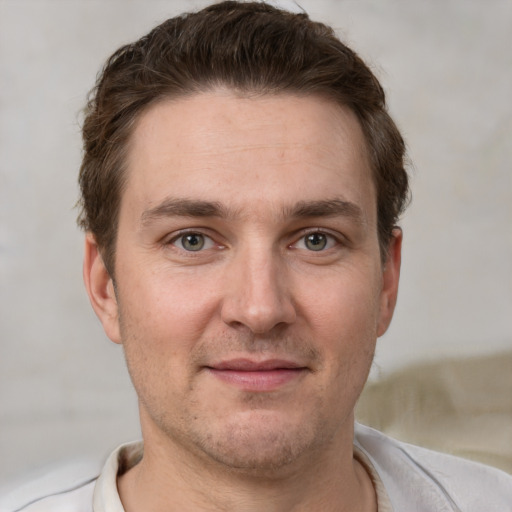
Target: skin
{"type": "Point", "coordinates": [261, 182]}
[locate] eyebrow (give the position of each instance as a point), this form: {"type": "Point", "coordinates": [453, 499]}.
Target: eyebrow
{"type": "Point", "coordinates": [327, 208]}
{"type": "Point", "coordinates": [182, 207]}
{"type": "Point", "coordinates": [172, 207]}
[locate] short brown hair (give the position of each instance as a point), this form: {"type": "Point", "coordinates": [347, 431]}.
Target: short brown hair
{"type": "Point", "coordinates": [250, 47]}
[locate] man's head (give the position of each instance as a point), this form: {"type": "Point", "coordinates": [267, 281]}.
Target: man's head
{"type": "Point", "coordinates": [254, 165]}
{"type": "Point", "coordinates": [252, 49]}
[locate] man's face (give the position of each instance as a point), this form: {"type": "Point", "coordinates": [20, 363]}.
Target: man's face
{"type": "Point", "coordinates": [249, 287]}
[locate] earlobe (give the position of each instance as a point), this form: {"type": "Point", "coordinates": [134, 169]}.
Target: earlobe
{"type": "Point", "coordinates": [100, 288]}
{"type": "Point", "coordinates": [390, 279]}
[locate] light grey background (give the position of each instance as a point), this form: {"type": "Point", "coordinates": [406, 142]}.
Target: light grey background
{"type": "Point", "coordinates": [447, 67]}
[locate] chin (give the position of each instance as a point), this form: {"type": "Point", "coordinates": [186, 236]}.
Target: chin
{"type": "Point", "coordinates": [261, 443]}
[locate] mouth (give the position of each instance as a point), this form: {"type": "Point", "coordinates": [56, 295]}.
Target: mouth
{"type": "Point", "coordinates": [257, 376]}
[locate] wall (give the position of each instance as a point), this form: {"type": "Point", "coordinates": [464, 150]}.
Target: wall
{"type": "Point", "coordinates": [447, 67]}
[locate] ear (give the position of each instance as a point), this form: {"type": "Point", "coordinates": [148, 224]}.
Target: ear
{"type": "Point", "coordinates": [390, 278]}
{"type": "Point", "coordinates": [100, 288]}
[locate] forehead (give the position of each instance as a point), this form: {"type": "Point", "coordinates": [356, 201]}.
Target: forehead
{"type": "Point", "coordinates": [226, 147]}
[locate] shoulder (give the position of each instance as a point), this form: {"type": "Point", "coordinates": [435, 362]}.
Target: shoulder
{"type": "Point", "coordinates": [425, 478]}
{"type": "Point", "coordinates": [75, 487]}
{"type": "Point", "coordinates": [68, 488]}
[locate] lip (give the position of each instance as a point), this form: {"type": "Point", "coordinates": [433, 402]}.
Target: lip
{"type": "Point", "coordinates": [250, 375]}
{"type": "Point", "coordinates": [249, 365]}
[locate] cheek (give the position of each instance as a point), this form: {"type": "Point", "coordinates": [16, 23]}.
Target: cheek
{"type": "Point", "coordinates": [344, 305]}
{"type": "Point", "coordinates": [167, 310]}
{"type": "Point", "coordinates": [161, 323]}
{"type": "Point", "coordinates": [343, 317]}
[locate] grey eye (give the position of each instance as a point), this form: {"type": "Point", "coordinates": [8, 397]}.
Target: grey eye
{"type": "Point", "coordinates": [316, 241]}
{"type": "Point", "coordinates": [192, 242]}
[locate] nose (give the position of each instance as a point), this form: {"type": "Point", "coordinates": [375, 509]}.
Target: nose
{"type": "Point", "coordinates": [258, 294]}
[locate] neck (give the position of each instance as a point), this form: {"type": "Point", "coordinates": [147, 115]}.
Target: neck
{"type": "Point", "coordinates": [170, 478]}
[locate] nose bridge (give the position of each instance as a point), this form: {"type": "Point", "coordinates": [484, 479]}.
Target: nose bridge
{"type": "Point", "coordinates": [259, 294]}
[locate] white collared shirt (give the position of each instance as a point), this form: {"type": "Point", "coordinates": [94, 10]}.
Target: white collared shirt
{"type": "Point", "coordinates": [406, 478]}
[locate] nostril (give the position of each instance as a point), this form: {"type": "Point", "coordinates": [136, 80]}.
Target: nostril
{"type": "Point", "coordinates": [256, 294]}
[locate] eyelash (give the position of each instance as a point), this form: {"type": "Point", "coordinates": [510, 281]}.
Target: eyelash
{"type": "Point", "coordinates": [331, 240]}
{"type": "Point", "coordinates": [183, 234]}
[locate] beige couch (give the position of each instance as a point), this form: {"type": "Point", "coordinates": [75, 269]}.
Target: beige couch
{"type": "Point", "coordinates": [461, 406]}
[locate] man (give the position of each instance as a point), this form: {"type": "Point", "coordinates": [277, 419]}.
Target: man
{"type": "Point", "coordinates": [241, 184]}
